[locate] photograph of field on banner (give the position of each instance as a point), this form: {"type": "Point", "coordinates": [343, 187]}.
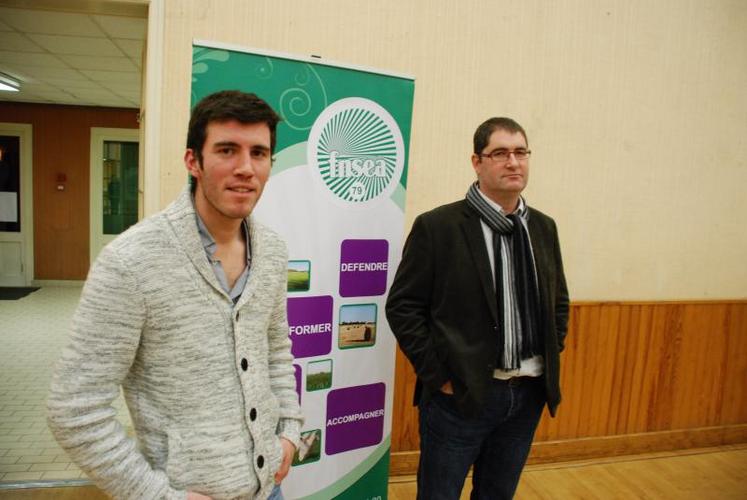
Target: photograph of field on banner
{"type": "Point", "coordinates": [357, 326]}
{"type": "Point", "coordinates": [299, 275]}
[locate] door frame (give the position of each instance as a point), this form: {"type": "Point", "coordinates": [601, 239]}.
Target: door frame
{"type": "Point", "coordinates": [24, 131]}
{"type": "Point", "coordinates": [98, 136]}
{"type": "Point", "coordinates": [150, 108]}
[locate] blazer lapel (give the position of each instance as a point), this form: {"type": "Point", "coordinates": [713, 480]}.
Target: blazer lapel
{"type": "Point", "coordinates": [539, 249]}
{"type": "Point", "coordinates": [472, 230]}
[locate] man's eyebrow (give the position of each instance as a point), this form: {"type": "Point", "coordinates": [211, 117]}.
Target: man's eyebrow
{"type": "Point", "coordinates": [223, 144]}
{"type": "Point", "coordinates": [233, 144]}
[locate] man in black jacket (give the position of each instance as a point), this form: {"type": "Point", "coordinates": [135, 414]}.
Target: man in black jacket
{"type": "Point", "coordinates": [479, 305]}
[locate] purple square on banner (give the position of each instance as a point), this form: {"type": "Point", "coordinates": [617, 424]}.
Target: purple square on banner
{"type": "Point", "coordinates": [310, 321]}
{"type": "Point", "coordinates": [355, 417]}
{"type": "Point", "coordinates": [363, 267]}
{"type": "Point", "coordinates": [297, 374]}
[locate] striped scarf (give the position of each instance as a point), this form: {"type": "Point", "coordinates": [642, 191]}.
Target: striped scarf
{"type": "Point", "coordinates": [515, 282]}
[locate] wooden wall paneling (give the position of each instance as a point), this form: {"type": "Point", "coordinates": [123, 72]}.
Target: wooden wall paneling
{"type": "Point", "coordinates": [571, 370]}
{"type": "Point", "coordinates": [584, 319]}
{"type": "Point", "coordinates": [620, 397]}
{"type": "Point", "coordinates": [61, 144]}
{"type": "Point", "coordinates": [585, 360]}
{"type": "Point", "coordinates": [646, 359]}
{"type": "Point", "coordinates": [698, 369]}
{"type": "Point", "coordinates": [649, 362]}
{"type": "Point", "coordinates": [405, 432]}
{"type": "Point", "coordinates": [639, 392]}
{"type": "Point", "coordinates": [668, 332]}
{"type": "Point", "coordinates": [657, 363]}
{"type": "Point", "coordinates": [635, 377]}
{"type": "Point", "coordinates": [735, 362]}
{"type": "Point", "coordinates": [717, 343]}
{"type": "Point", "coordinates": [61, 152]}
{"type": "Point", "coordinates": [716, 351]}
{"type": "Point", "coordinates": [61, 217]}
{"type": "Point", "coordinates": [605, 342]}
{"type": "Point", "coordinates": [552, 426]}
{"type": "Point", "coordinates": [591, 367]}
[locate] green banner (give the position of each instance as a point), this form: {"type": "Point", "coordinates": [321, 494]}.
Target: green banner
{"type": "Point", "coordinates": [337, 196]}
{"type": "Point", "coordinates": [300, 91]}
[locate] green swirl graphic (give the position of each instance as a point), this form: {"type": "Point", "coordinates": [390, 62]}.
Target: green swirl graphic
{"type": "Point", "coordinates": [299, 105]}
{"type": "Point", "coordinates": [264, 69]}
{"type": "Point", "coordinates": [200, 63]}
{"type": "Point", "coordinates": [201, 55]}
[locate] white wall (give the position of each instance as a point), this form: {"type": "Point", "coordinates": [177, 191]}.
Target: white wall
{"type": "Point", "coordinates": [636, 114]}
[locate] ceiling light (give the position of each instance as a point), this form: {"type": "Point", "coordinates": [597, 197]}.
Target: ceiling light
{"type": "Point", "coordinates": [9, 84]}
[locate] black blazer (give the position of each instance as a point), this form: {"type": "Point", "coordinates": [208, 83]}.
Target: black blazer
{"type": "Point", "coordinates": [443, 311]}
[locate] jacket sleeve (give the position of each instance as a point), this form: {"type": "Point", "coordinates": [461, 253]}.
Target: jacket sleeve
{"type": "Point", "coordinates": [280, 362]}
{"type": "Point", "coordinates": [105, 335]}
{"type": "Point", "coordinates": [408, 307]}
{"type": "Point", "coordinates": [561, 295]}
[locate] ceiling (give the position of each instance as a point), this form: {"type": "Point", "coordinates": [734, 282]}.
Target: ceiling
{"type": "Point", "coordinates": [89, 54]}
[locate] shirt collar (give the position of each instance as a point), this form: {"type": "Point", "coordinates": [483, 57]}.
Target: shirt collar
{"type": "Point", "coordinates": [208, 242]}
{"type": "Point", "coordinates": [521, 209]}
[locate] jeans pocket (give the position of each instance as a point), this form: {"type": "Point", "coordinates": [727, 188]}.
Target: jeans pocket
{"type": "Point", "coordinates": [446, 403]}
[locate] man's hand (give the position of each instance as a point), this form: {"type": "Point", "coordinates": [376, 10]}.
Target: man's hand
{"type": "Point", "coordinates": [447, 389]}
{"type": "Point", "coordinates": [288, 451]}
{"type": "Point", "coordinates": [191, 495]}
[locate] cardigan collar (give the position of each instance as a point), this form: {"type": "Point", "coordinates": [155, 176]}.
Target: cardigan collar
{"type": "Point", "coordinates": [182, 216]}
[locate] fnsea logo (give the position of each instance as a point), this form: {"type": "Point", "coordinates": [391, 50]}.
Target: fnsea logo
{"type": "Point", "coordinates": [356, 151]}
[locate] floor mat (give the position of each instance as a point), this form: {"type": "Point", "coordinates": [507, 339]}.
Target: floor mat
{"type": "Point", "coordinates": [16, 292]}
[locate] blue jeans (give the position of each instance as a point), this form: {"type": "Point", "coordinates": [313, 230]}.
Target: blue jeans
{"type": "Point", "coordinates": [497, 441]}
{"type": "Point", "coordinates": [276, 494]}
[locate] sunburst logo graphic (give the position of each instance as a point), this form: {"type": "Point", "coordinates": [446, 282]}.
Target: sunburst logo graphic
{"type": "Point", "coordinates": [355, 149]}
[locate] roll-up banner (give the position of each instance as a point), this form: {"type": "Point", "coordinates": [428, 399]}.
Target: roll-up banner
{"type": "Point", "coordinates": [337, 196]}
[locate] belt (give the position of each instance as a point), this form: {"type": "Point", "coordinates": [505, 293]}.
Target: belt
{"type": "Point", "coordinates": [513, 381]}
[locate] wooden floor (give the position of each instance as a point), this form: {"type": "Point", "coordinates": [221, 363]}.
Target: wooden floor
{"type": "Point", "coordinates": [714, 473]}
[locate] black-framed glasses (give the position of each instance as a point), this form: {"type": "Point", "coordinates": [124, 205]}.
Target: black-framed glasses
{"type": "Point", "coordinates": [503, 155]}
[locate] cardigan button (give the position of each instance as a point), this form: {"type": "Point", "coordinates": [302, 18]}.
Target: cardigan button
{"type": "Point", "coordinates": [253, 414]}
{"type": "Point", "coordinates": [260, 461]}
{"type": "Point", "coordinates": [244, 364]}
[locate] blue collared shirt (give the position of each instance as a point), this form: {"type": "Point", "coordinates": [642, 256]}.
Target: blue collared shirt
{"type": "Point", "coordinates": [211, 246]}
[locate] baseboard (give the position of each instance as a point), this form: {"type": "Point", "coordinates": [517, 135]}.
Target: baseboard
{"type": "Point", "coordinates": [69, 283]}
{"type": "Point", "coordinates": [543, 452]}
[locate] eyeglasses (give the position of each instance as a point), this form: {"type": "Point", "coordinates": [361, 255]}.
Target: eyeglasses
{"type": "Point", "coordinates": [503, 155]}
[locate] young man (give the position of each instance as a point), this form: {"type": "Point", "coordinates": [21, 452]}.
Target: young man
{"type": "Point", "coordinates": [186, 311]}
{"type": "Point", "coordinates": [479, 306]}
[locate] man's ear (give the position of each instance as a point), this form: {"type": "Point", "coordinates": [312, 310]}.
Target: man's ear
{"type": "Point", "coordinates": [475, 161]}
{"type": "Point", "coordinates": [192, 163]}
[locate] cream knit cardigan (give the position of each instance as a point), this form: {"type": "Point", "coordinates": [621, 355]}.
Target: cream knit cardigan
{"type": "Point", "coordinates": [154, 320]}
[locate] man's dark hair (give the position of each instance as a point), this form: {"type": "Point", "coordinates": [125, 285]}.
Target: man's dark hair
{"type": "Point", "coordinates": [486, 129]}
{"type": "Point", "coordinates": [224, 106]}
